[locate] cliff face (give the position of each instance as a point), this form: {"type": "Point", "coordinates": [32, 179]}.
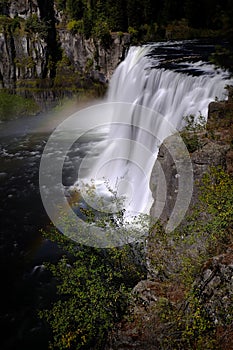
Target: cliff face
{"type": "Point", "coordinates": [90, 56]}
{"type": "Point", "coordinates": [35, 45]}
{"type": "Point", "coordinates": [167, 305]}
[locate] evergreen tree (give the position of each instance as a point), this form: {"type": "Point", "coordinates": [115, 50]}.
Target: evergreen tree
{"type": "Point", "coordinates": [135, 13]}
{"type": "Point", "coordinates": [173, 10]}
{"type": "Point", "coordinates": [75, 8]}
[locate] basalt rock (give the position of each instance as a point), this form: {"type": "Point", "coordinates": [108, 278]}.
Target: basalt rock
{"type": "Point", "coordinates": [210, 147]}
{"type": "Point", "coordinates": [213, 287]}
{"type": "Point", "coordinates": [209, 153]}
{"type": "Point", "coordinates": [35, 44]}
{"type": "Point", "coordinates": [90, 56]}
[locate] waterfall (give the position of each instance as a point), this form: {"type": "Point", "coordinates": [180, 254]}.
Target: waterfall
{"type": "Point", "coordinates": [166, 97]}
{"type": "Point", "coordinates": [172, 94]}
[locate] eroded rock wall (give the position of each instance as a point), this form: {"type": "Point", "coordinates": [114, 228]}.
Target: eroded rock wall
{"type": "Point", "coordinates": [34, 40]}
{"type": "Point", "coordinates": [149, 324]}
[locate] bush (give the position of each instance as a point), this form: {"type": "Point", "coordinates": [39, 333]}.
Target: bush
{"type": "Point", "coordinates": [101, 31]}
{"type": "Point", "coordinates": [34, 25]}
{"type": "Point", "coordinates": [92, 293]}
{"type": "Point", "coordinates": [13, 106]}
{"type": "Point", "coordinates": [76, 26]}
{"type": "Point", "coordinates": [190, 133]}
{"type": "Point", "coordinates": [9, 24]}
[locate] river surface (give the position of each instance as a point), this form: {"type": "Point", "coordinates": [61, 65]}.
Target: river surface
{"type": "Point", "coordinates": [25, 285]}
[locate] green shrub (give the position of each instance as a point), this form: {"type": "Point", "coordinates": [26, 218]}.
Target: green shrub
{"type": "Point", "coordinates": [34, 25]}
{"type": "Point", "coordinates": [190, 133]}
{"type": "Point", "coordinates": [101, 31]}
{"type": "Point", "coordinates": [76, 26]}
{"type": "Point", "coordinates": [9, 24]}
{"type": "Point", "coordinates": [13, 106]}
{"type": "Point", "coordinates": [92, 293]}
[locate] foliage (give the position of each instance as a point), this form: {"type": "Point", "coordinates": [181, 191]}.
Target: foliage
{"type": "Point", "coordinates": [146, 20]}
{"type": "Point", "coordinates": [190, 133]}
{"type": "Point", "coordinates": [61, 4]}
{"type": "Point", "coordinates": [178, 258]}
{"type": "Point", "coordinates": [76, 26]}
{"type": "Point", "coordinates": [13, 106]}
{"type": "Point", "coordinates": [75, 8]}
{"type": "Point", "coordinates": [34, 25]}
{"type": "Point", "coordinates": [89, 301]}
{"type": "Point", "coordinates": [93, 288]}
{"type": "Point", "coordinates": [3, 7]}
{"type": "Point", "coordinates": [9, 24]}
{"type": "Point", "coordinates": [101, 31]}
{"type": "Point", "coordinates": [217, 196]}
{"type": "Point", "coordinates": [182, 19]}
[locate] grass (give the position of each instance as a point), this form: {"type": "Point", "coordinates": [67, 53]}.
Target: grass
{"type": "Point", "coordinates": [13, 106]}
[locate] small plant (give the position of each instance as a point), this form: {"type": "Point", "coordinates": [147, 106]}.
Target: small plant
{"type": "Point", "coordinates": [93, 288]}
{"type": "Point", "coordinates": [34, 25]}
{"type": "Point", "coordinates": [76, 26]}
{"type": "Point", "coordinates": [192, 127]}
{"type": "Point", "coordinates": [120, 34]}
{"type": "Point", "coordinates": [194, 123]}
{"type": "Point", "coordinates": [13, 106]}
{"type": "Point", "coordinates": [8, 24]}
{"type": "Point", "coordinates": [101, 31]}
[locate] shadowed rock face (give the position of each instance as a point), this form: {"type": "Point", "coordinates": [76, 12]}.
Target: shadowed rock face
{"type": "Point", "coordinates": [35, 54]}
{"type": "Point", "coordinates": [212, 148]}
{"type": "Point", "coordinates": [209, 154]}
{"type": "Point", "coordinates": [214, 284]}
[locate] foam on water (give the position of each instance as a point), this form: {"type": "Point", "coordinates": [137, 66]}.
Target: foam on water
{"type": "Point", "coordinates": [170, 94]}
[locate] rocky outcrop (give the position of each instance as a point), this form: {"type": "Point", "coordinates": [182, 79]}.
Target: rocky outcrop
{"type": "Point", "coordinates": [35, 45]}
{"type": "Point", "coordinates": [209, 147]}
{"type": "Point", "coordinates": [209, 153]}
{"type": "Point", "coordinates": [160, 304]}
{"type": "Point", "coordinates": [23, 8]}
{"type": "Point", "coordinates": [215, 287]}
{"type": "Point", "coordinates": [148, 323]}
{"type": "Point", "coordinates": [90, 56]}
{"type": "Point", "coordinates": [28, 42]}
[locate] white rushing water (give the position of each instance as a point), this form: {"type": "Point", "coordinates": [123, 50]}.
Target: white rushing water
{"type": "Point", "coordinates": [167, 97]}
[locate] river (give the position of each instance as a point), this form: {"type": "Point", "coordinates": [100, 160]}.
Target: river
{"type": "Point", "coordinates": [176, 79]}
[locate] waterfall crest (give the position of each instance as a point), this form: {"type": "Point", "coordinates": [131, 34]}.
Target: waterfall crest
{"type": "Point", "coordinates": [165, 97]}
{"type": "Point", "coordinates": [172, 94]}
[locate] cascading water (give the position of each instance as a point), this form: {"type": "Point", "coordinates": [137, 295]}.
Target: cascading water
{"type": "Point", "coordinates": [172, 94]}
{"type": "Point", "coordinates": [167, 96]}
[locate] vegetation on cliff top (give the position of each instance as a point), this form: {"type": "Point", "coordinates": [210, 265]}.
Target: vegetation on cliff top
{"type": "Point", "coordinates": [13, 106]}
{"type": "Point", "coordinates": [93, 285]}
{"type": "Point", "coordinates": [150, 20]}
{"type": "Point", "coordinates": [144, 20]}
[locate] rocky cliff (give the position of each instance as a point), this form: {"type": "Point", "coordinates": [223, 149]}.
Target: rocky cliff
{"type": "Point", "coordinates": [39, 53]}
{"type": "Point", "coordinates": [186, 300]}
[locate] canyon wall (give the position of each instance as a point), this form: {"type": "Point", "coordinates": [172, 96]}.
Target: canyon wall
{"type": "Point", "coordinates": [39, 55]}
{"type": "Point", "coordinates": [162, 302]}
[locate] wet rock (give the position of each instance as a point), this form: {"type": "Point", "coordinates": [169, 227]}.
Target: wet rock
{"type": "Point", "coordinates": [216, 110]}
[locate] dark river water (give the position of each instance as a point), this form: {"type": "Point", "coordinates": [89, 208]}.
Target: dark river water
{"type": "Point", "coordinates": [25, 286]}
